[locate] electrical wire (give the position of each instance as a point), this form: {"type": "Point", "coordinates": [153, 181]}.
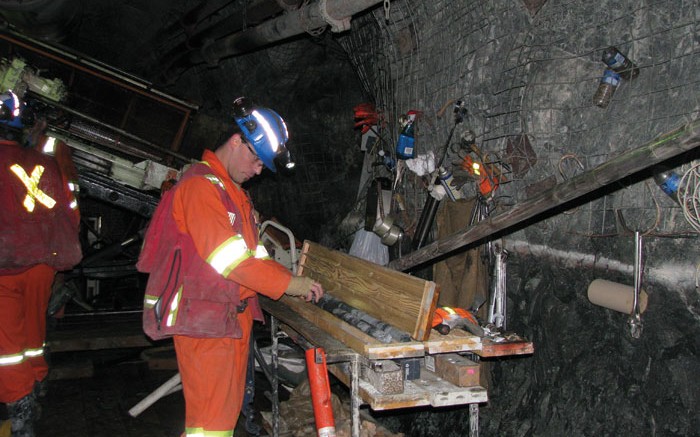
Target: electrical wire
{"type": "Point", "coordinates": [689, 195]}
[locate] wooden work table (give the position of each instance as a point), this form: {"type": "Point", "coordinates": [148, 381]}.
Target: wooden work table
{"type": "Point", "coordinates": [396, 299]}
{"type": "Point", "coordinates": [339, 339]}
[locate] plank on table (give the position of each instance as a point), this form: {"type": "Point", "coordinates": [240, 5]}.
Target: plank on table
{"type": "Point", "coordinates": [401, 300]}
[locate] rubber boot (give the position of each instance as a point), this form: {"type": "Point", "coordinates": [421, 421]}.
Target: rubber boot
{"type": "Point", "coordinates": [39, 392]}
{"type": "Point", "coordinates": [21, 414]}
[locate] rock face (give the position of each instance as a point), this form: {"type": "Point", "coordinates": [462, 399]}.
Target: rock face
{"type": "Point", "coordinates": [588, 376]}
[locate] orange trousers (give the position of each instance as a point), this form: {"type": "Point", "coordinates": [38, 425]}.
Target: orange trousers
{"type": "Point", "coordinates": [24, 298]}
{"type": "Point", "coordinates": [213, 372]}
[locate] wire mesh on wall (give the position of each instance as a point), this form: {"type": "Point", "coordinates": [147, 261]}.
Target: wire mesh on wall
{"type": "Point", "coordinates": [528, 84]}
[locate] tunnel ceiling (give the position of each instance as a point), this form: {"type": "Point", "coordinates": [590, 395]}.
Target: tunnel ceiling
{"type": "Point", "coordinates": [184, 61]}
{"type": "Point", "coordinates": [141, 38]}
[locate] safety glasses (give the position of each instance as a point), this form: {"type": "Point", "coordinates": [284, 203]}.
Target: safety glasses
{"type": "Point", "coordinates": [252, 152]}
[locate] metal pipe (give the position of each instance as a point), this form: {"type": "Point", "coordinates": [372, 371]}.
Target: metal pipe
{"type": "Point", "coordinates": [99, 70]}
{"type": "Point", "coordinates": [425, 223]}
{"type": "Point", "coordinates": [113, 138]}
{"type": "Point", "coordinates": [274, 382]}
{"type": "Point", "coordinates": [337, 13]}
{"type": "Point", "coordinates": [251, 16]}
{"type": "Point", "coordinates": [194, 16]}
{"type": "Point", "coordinates": [473, 420]}
{"type": "Point", "coordinates": [109, 74]}
{"type": "Point", "coordinates": [355, 399]}
{"type": "Point", "coordinates": [635, 320]}
{"type": "Point", "coordinates": [663, 147]}
{"type": "Point", "coordinates": [670, 276]}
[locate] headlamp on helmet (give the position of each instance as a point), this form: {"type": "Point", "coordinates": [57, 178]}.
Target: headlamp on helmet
{"type": "Point", "coordinates": [11, 109]}
{"type": "Point", "coordinates": [264, 129]}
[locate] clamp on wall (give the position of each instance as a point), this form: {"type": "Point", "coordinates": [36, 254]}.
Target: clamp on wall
{"type": "Point", "coordinates": [336, 25]}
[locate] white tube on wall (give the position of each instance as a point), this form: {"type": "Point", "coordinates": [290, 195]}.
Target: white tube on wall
{"type": "Point", "coordinates": [615, 296]}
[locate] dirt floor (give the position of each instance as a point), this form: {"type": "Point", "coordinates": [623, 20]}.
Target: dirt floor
{"type": "Point", "coordinates": [98, 405]}
{"type": "Point", "coordinates": [90, 391]}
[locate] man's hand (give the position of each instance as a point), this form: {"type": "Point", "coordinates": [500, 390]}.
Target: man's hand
{"type": "Point", "coordinates": [304, 287]}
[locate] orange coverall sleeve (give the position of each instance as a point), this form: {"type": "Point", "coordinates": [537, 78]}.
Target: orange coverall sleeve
{"type": "Point", "coordinates": [198, 211]}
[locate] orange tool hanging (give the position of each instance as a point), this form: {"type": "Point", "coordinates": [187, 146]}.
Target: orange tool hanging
{"type": "Point", "coordinates": [486, 182]}
{"type": "Point", "coordinates": [487, 174]}
{"type": "Point", "coordinates": [366, 116]}
{"type": "Point", "coordinates": [320, 392]}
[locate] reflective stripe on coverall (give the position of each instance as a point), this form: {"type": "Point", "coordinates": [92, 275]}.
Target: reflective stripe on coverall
{"type": "Point", "coordinates": [39, 227]}
{"type": "Point", "coordinates": [24, 298]}
{"type": "Point", "coordinates": [213, 369]}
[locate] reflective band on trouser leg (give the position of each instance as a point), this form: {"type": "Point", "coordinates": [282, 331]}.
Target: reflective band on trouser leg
{"type": "Point", "coordinates": [11, 359]}
{"type": "Point", "coordinates": [23, 301]}
{"type": "Point", "coordinates": [31, 353]}
{"type": "Point", "coordinates": [199, 432]}
{"type": "Point", "coordinates": [37, 294]}
{"type": "Point", "coordinates": [213, 372]}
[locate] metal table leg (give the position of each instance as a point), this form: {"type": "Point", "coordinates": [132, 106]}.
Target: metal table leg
{"type": "Point", "coordinates": [355, 395]}
{"type": "Point", "coordinates": [275, 378]}
{"type": "Point", "coordinates": [473, 420]}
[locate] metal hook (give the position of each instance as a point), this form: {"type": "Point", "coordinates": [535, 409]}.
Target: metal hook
{"type": "Point", "coordinates": [635, 320]}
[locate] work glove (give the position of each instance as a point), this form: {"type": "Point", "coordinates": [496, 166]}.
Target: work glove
{"type": "Point", "coordinates": [304, 287]}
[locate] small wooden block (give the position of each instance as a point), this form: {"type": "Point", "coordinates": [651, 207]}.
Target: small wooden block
{"type": "Point", "coordinates": [457, 369]}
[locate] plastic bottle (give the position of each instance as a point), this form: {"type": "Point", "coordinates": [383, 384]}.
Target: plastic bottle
{"type": "Point", "coordinates": [387, 160]}
{"type": "Point", "coordinates": [620, 63]}
{"type": "Point", "coordinates": [448, 182]}
{"type": "Point", "coordinates": [405, 147]}
{"type": "Point", "coordinates": [606, 88]}
{"type": "Point", "coordinates": [668, 181]}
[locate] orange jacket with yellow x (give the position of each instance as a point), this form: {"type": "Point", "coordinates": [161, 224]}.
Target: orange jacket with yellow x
{"type": "Point", "coordinates": [39, 222]}
{"type": "Point", "coordinates": [202, 252]}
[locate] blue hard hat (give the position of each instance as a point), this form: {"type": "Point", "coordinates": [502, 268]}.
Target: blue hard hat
{"type": "Point", "coordinates": [11, 109]}
{"type": "Point", "coordinates": [264, 129]}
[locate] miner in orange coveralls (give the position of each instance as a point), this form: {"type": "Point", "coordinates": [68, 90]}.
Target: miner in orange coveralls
{"type": "Point", "coordinates": [207, 268]}
{"type": "Point", "coordinates": [38, 236]}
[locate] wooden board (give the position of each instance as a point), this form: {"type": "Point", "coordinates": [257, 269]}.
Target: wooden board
{"type": "Point", "coordinates": [457, 340]}
{"type": "Point", "coordinates": [106, 336]}
{"type": "Point", "coordinates": [316, 324]}
{"type": "Point", "coordinates": [428, 390]}
{"type": "Point", "coordinates": [289, 309]}
{"type": "Point", "coordinates": [508, 348]}
{"type": "Point", "coordinates": [401, 300]}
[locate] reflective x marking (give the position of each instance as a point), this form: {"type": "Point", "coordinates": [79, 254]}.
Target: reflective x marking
{"type": "Point", "coordinates": [32, 184]}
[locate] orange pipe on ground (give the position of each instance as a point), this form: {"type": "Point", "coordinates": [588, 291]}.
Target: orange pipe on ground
{"type": "Point", "coordinates": [320, 392]}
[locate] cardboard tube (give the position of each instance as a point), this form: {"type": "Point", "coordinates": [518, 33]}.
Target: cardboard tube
{"type": "Point", "coordinates": [618, 297]}
{"type": "Point", "coordinates": [170, 386]}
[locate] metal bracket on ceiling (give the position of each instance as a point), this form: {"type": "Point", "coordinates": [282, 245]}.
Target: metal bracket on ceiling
{"type": "Point", "coordinates": [337, 25]}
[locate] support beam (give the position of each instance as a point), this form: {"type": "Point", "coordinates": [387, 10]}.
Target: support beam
{"type": "Point", "coordinates": [336, 13]}
{"type": "Point", "coordinates": [663, 147]}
